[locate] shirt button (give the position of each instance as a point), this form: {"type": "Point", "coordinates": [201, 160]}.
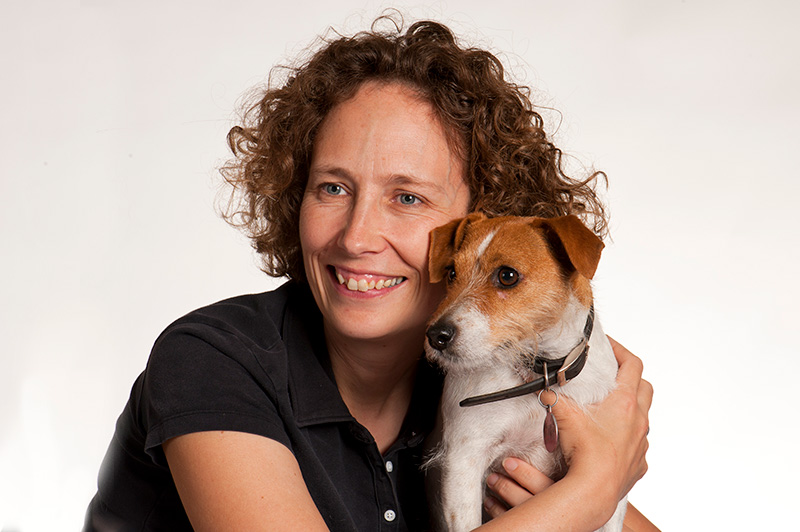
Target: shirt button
{"type": "Point", "coordinates": [389, 466]}
{"type": "Point", "coordinates": [389, 515]}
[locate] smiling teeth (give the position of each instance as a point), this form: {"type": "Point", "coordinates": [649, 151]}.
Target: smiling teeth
{"type": "Point", "coordinates": [362, 285]}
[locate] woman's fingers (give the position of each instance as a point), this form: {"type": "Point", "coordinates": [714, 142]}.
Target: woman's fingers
{"type": "Point", "coordinates": [645, 394]}
{"type": "Point", "coordinates": [630, 366]}
{"type": "Point", "coordinates": [526, 475]}
{"type": "Point", "coordinates": [523, 482]}
{"type": "Point", "coordinates": [630, 374]}
{"type": "Point", "coordinates": [494, 506]}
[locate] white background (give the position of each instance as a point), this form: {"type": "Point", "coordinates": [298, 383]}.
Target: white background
{"type": "Point", "coordinates": [113, 122]}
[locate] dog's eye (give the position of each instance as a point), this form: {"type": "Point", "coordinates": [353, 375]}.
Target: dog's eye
{"type": "Point", "coordinates": [507, 277]}
{"type": "Point", "coordinates": [451, 274]}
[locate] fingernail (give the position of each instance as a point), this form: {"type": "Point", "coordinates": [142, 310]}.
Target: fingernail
{"type": "Point", "coordinates": [488, 503]}
{"type": "Point", "coordinates": [510, 464]}
{"type": "Point", "coordinates": [492, 479]}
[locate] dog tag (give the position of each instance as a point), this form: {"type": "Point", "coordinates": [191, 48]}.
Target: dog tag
{"type": "Point", "coordinates": [550, 431]}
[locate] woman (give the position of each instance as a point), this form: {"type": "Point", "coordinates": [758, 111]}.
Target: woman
{"type": "Point", "coordinates": [306, 408]}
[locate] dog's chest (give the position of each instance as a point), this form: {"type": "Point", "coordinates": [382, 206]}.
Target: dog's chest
{"type": "Point", "coordinates": [494, 431]}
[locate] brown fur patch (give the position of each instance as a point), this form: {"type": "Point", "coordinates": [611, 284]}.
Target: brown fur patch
{"type": "Point", "coordinates": [582, 290]}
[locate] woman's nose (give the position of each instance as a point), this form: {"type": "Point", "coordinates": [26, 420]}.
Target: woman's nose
{"type": "Point", "coordinates": [364, 229]}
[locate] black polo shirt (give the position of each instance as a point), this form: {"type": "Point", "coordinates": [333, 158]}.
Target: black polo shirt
{"type": "Point", "coordinates": [258, 364]}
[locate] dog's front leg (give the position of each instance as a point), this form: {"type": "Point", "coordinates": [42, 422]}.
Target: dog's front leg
{"type": "Point", "coordinates": [463, 478]}
{"type": "Point", "coordinates": [468, 449]}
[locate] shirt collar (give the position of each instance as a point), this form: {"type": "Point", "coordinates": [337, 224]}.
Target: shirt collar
{"type": "Point", "coordinates": [312, 388]}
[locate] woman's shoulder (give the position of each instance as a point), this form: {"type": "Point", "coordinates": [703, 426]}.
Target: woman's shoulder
{"type": "Point", "coordinates": [251, 320]}
{"type": "Point", "coordinates": [225, 366]}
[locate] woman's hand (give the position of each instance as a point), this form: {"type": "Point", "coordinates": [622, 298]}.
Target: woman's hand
{"type": "Point", "coordinates": [608, 440]}
{"type": "Point", "coordinates": [510, 492]}
{"type": "Point", "coordinates": [604, 445]}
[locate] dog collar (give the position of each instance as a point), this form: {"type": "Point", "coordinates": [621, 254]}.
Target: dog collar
{"type": "Point", "coordinates": [559, 370]}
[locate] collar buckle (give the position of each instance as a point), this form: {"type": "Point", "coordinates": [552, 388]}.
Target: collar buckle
{"type": "Point", "coordinates": [569, 361]}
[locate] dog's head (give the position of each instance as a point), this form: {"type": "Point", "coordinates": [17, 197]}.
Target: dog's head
{"type": "Point", "coordinates": [509, 280]}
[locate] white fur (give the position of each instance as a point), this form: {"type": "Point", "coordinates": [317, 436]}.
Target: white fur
{"type": "Point", "coordinates": [485, 243]}
{"type": "Point", "coordinates": [475, 440]}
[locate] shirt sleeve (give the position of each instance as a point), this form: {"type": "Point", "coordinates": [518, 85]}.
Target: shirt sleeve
{"type": "Point", "coordinates": [202, 378]}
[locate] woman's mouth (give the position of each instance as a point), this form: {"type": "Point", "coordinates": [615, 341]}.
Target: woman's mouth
{"type": "Point", "coordinates": [364, 283]}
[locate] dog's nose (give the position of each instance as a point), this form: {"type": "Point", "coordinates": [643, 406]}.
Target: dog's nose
{"type": "Point", "coordinates": [439, 335]}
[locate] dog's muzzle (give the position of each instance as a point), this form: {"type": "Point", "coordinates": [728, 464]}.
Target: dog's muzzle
{"type": "Point", "coordinates": [440, 335]}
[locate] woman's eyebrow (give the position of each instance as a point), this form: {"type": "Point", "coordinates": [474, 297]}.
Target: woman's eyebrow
{"type": "Point", "coordinates": [336, 171]}
{"type": "Point", "coordinates": [405, 179]}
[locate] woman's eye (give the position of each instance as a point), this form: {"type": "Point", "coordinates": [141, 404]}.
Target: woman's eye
{"type": "Point", "coordinates": [408, 199]}
{"type": "Point", "coordinates": [333, 189]}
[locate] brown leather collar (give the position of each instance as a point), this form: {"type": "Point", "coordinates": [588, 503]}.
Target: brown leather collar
{"type": "Point", "coordinates": [555, 371]}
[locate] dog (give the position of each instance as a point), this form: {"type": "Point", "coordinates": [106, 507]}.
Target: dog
{"type": "Point", "coordinates": [518, 302]}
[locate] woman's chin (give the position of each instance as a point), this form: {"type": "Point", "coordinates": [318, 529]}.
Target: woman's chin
{"type": "Point", "coordinates": [374, 326]}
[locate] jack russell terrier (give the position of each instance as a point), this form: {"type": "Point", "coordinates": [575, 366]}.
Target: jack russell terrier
{"type": "Point", "coordinates": [517, 319]}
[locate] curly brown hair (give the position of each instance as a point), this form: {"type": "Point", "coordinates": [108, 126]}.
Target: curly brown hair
{"type": "Point", "coordinates": [512, 168]}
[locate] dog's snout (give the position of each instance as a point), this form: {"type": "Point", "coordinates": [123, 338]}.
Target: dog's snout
{"type": "Point", "coordinates": [440, 335]}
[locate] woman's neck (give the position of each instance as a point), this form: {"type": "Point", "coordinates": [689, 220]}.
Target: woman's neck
{"type": "Point", "coordinates": [376, 379]}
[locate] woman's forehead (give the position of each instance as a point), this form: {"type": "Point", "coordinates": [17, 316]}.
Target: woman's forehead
{"type": "Point", "coordinates": [388, 130]}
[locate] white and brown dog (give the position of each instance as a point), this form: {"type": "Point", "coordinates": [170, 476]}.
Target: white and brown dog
{"type": "Point", "coordinates": [518, 317]}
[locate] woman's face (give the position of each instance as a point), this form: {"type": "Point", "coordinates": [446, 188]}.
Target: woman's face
{"type": "Point", "coordinates": [382, 176]}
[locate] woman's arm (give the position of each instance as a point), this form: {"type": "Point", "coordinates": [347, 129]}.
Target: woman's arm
{"type": "Point", "coordinates": [604, 445]}
{"type": "Point", "coordinates": [240, 481]}
{"type": "Point", "coordinates": [636, 522]}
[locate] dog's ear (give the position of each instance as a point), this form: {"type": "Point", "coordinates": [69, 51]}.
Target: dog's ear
{"type": "Point", "coordinates": [445, 241]}
{"type": "Point", "coordinates": [581, 245]}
